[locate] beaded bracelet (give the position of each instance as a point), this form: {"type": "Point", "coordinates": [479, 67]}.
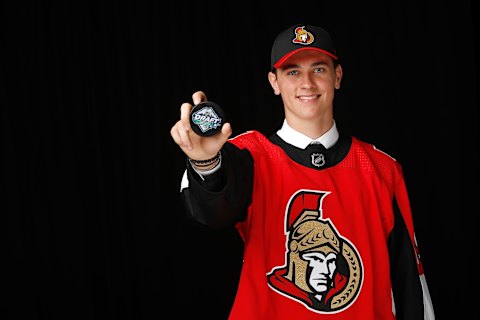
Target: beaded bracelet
{"type": "Point", "coordinates": [205, 163]}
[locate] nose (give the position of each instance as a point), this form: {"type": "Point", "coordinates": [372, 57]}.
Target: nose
{"type": "Point", "coordinates": [307, 81]}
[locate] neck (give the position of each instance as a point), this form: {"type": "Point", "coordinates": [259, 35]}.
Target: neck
{"type": "Point", "coordinates": [312, 129]}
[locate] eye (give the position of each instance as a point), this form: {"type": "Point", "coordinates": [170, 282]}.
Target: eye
{"type": "Point", "coordinates": [292, 73]}
{"type": "Point", "coordinates": [320, 70]}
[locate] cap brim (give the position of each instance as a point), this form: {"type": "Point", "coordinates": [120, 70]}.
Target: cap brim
{"type": "Point", "coordinates": [282, 60]}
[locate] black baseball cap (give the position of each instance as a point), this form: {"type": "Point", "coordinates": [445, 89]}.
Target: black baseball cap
{"type": "Point", "coordinates": [301, 37]}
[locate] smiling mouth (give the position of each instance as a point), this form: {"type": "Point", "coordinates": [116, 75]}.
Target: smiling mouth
{"type": "Point", "coordinates": [307, 98]}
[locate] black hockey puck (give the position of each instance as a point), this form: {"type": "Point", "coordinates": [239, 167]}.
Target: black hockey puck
{"type": "Point", "coordinates": [207, 118]}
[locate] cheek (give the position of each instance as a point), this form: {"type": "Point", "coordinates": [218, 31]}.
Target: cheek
{"type": "Point", "coordinates": [286, 86]}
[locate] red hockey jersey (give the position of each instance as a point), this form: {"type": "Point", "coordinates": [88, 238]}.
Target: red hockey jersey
{"type": "Point", "coordinates": [317, 241]}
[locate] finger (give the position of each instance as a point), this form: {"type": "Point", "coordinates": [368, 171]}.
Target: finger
{"type": "Point", "coordinates": [198, 97]}
{"type": "Point", "coordinates": [181, 136]}
{"type": "Point", "coordinates": [175, 134]}
{"type": "Point", "coordinates": [180, 132]}
{"type": "Point", "coordinates": [184, 136]}
{"type": "Point", "coordinates": [185, 110]}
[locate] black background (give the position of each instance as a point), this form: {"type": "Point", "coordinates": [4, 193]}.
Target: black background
{"type": "Point", "coordinates": [92, 221]}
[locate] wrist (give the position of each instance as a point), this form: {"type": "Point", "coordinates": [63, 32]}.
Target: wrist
{"type": "Point", "coordinates": [208, 164]}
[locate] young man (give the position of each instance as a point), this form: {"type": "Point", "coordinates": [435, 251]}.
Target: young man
{"type": "Point", "coordinates": [325, 218]}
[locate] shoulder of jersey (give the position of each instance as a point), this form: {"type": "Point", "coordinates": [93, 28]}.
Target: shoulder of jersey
{"type": "Point", "coordinates": [372, 148]}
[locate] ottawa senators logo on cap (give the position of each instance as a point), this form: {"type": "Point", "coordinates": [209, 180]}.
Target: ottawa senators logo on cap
{"type": "Point", "coordinates": [303, 36]}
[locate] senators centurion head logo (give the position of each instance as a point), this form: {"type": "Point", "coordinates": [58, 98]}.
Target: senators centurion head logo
{"type": "Point", "coordinates": [323, 270]}
{"type": "Point", "coordinates": [303, 36]}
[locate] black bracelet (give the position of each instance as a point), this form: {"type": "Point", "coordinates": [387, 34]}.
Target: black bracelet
{"type": "Point", "coordinates": [203, 163]}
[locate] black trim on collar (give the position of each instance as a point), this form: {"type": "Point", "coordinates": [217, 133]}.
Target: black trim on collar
{"type": "Point", "coordinates": [316, 156]}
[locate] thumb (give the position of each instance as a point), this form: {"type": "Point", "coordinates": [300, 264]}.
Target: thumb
{"type": "Point", "coordinates": [226, 131]}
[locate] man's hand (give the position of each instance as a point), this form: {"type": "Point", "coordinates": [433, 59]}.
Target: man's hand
{"type": "Point", "coordinates": [193, 145]}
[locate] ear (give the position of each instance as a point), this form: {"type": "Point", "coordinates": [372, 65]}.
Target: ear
{"type": "Point", "coordinates": [272, 78]}
{"type": "Point", "coordinates": [338, 74]}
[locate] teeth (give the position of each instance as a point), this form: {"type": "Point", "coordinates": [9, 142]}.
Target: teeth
{"type": "Point", "coordinates": [307, 97]}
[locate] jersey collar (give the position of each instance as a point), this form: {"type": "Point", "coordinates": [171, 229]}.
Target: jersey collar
{"type": "Point", "coordinates": [299, 140]}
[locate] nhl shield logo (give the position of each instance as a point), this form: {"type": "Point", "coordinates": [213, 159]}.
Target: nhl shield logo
{"type": "Point", "coordinates": [317, 159]}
